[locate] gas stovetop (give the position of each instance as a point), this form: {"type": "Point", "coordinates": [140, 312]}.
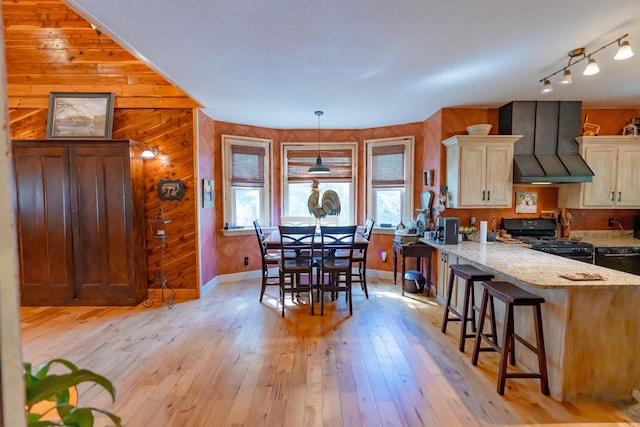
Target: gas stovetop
{"type": "Point", "coordinates": [559, 246]}
{"type": "Point", "coordinates": [540, 233]}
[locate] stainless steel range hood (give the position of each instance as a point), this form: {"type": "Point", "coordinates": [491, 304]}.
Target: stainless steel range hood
{"type": "Point", "coordinates": [548, 151]}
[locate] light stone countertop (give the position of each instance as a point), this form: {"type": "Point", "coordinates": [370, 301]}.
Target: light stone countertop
{"type": "Point", "coordinates": [519, 263]}
{"type": "Point", "coordinates": [606, 238]}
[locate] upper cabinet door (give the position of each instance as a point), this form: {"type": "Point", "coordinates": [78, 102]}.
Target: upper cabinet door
{"type": "Point", "coordinates": [628, 179]}
{"type": "Point", "coordinates": [473, 172]}
{"type": "Point", "coordinates": [499, 173]}
{"type": "Point", "coordinates": [602, 159]}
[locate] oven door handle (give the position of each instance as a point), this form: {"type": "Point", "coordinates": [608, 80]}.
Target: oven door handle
{"type": "Point", "coordinates": [620, 255]}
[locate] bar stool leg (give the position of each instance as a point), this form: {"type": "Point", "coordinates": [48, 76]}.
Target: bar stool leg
{"type": "Point", "coordinates": [465, 315]}
{"type": "Point", "coordinates": [483, 311]}
{"type": "Point", "coordinates": [507, 343]}
{"type": "Point", "coordinates": [542, 355]}
{"type": "Point", "coordinates": [445, 319]}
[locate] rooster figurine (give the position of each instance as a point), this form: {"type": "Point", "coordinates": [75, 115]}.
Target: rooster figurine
{"type": "Point", "coordinates": [330, 202]}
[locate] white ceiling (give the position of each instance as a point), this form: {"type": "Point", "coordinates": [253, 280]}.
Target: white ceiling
{"type": "Point", "coordinates": [370, 63]}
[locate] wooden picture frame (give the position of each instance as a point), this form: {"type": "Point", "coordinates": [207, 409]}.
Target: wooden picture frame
{"type": "Point", "coordinates": [428, 177]}
{"type": "Point", "coordinates": [526, 202]}
{"type": "Point", "coordinates": [170, 189]}
{"type": "Point", "coordinates": [80, 115]}
{"type": "Point", "coordinates": [207, 193]}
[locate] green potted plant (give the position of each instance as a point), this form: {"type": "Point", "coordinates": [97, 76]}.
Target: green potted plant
{"type": "Point", "coordinates": [51, 399]}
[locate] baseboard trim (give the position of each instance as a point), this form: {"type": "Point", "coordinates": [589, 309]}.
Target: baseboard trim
{"type": "Point", "coordinates": [156, 294]}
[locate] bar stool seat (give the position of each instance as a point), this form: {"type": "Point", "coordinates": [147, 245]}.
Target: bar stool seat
{"type": "Point", "coordinates": [512, 296]}
{"type": "Point", "coordinates": [470, 274]}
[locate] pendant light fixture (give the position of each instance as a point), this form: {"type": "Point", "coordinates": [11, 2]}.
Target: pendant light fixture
{"type": "Point", "coordinates": [319, 168]}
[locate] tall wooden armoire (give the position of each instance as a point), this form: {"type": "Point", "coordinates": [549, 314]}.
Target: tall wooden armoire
{"type": "Point", "coordinates": [81, 222]}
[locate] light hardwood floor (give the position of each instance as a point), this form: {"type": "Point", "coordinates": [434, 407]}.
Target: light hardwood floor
{"type": "Point", "coordinates": [227, 359]}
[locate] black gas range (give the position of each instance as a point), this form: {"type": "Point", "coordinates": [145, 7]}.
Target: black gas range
{"type": "Point", "coordinates": [540, 233]}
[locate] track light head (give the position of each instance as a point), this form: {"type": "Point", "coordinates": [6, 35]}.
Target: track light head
{"type": "Point", "coordinates": [624, 51]}
{"type": "Point", "coordinates": [591, 68]}
{"type": "Point", "coordinates": [546, 87]}
{"type": "Point", "coordinates": [566, 77]}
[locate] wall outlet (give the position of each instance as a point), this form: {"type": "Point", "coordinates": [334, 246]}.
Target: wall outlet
{"type": "Point", "coordinates": [246, 261]}
{"type": "Point", "coordinates": [611, 222]}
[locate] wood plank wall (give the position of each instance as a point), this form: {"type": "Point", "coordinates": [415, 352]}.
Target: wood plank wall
{"type": "Point", "coordinates": [50, 48]}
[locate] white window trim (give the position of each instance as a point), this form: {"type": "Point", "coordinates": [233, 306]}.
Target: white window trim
{"type": "Point", "coordinates": [314, 147]}
{"type": "Point", "coordinates": [409, 143]}
{"type": "Point", "coordinates": [227, 142]}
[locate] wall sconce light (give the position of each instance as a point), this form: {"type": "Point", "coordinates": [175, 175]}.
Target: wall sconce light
{"type": "Point", "coordinates": [99, 33]}
{"type": "Point", "coordinates": [150, 153]}
{"type": "Point", "coordinates": [624, 52]}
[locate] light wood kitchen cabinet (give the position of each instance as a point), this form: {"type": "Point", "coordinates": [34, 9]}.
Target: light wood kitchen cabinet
{"type": "Point", "coordinates": [446, 259]}
{"type": "Point", "coordinates": [480, 170]}
{"type": "Point", "coordinates": [615, 162]}
{"type": "Point", "coordinates": [81, 222]}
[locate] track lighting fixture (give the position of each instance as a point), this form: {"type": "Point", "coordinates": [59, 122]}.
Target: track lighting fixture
{"type": "Point", "coordinates": [624, 52]}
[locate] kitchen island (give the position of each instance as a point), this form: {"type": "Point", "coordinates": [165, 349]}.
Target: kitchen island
{"type": "Point", "coordinates": [591, 328]}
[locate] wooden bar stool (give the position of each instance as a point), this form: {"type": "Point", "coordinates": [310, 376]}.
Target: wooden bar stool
{"type": "Point", "coordinates": [470, 274]}
{"type": "Point", "coordinates": [512, 296]}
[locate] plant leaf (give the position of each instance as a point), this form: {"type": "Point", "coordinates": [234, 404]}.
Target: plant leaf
{"type": "Point", "coordinates": [79, 417]}
{"type": "Point", "coordinates": [54, 384]}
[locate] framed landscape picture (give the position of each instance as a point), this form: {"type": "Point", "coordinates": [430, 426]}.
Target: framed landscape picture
{"type": "Point", "coordinates": [80, 115]}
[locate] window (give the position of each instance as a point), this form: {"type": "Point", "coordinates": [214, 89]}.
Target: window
{"type": "Point", "coordinates": [297, 181]}
{"type": "Point", "coordinates": [246, 172]}
{"type": "Point", "coordinates": [390, 180]}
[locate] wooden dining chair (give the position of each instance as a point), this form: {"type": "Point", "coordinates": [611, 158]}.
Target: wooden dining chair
{"type": "Point", "coordinates": [269, 259]}
{"type": "Point", "coordinates": [336, 262]}
{"type": "Point", "coordinates": [297, 221]}
{"type": "Point", "coordinates": [296, 259]}
{"type": "Point", "coordinates": [360, 259]}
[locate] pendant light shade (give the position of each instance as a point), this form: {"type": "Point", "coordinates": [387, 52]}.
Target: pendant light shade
{"type": "Point", "coordinates": [566, 78]}
{"type": "Point", "coordinates": [592, 68]}
{"type": "Point", "coordinates": [319, 168]}
{"type": "Point", "coordinates": [624, 51]}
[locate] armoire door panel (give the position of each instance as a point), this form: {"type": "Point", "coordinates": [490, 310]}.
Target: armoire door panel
{"type": "Point", "coordinates": [102, 256]}
{"type": "Point", "coordinates": [44, 233]}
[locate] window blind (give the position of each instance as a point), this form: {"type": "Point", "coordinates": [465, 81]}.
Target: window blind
{"type": "Point", "coordinates": [337, 159]}
{"type": "Point", "coordinates": [387, 166]}
{"type": "Point", "coordinates": [247, 166]}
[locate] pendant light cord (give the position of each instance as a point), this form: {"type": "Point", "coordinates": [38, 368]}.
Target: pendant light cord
{"type": "Point", "coordinates": [319, 113]}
